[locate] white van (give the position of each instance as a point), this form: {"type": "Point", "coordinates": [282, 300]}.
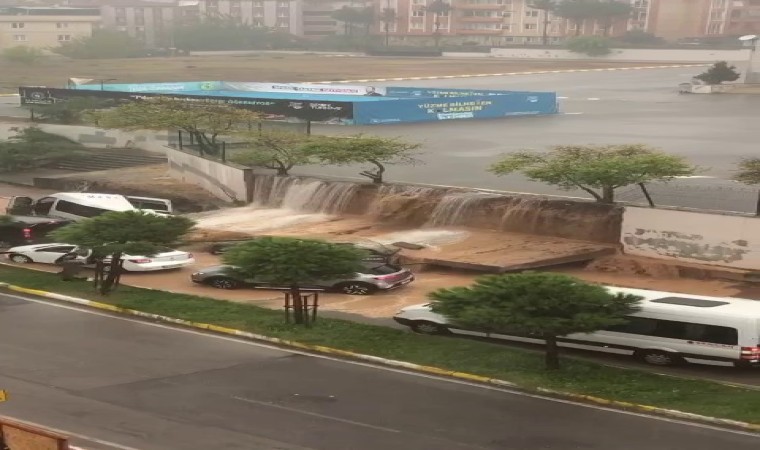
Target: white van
{"type": "Point", "coordinates": [669, 329]}
{"type": "Point", "coordinates": [83, 205]}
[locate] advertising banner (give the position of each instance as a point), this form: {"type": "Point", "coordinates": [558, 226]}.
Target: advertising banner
{"type": "Point", "coordinates": [395, 91]}
{"type": "Point", "coordinates": [306, 88]}
{"type": "Point", "coordinates": [152, 87]}
{"type": "Point", "coordinates": [272, 109]}
{"type": "Point", "coordinates": [473, 107]}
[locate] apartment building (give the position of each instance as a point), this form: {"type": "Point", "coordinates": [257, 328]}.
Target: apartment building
{"type": "Point", "coordinates": [282, 15]}
{"type": "Point", "coordinates": [317, 16]}
{"type": "Point", "coordinates": [45, 27]}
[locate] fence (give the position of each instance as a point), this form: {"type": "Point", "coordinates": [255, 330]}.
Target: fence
{"type": "Point", "coordinates": [709, 195]}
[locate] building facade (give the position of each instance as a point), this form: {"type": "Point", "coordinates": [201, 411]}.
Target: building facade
{"type": "Point", "coordinates": [44, 27]}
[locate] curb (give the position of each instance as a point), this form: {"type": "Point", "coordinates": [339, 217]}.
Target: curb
{"type": "Point", "coordinates": [652, 410]}
{"type": "Point", "coordinates": [478, 75]}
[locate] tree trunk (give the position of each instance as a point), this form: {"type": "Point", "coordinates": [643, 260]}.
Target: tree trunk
{"type": "Point", "coordinates": [608, 194]}
{"type": "Point", "coordinates": [111, 280]}
{"type": "Point", "coordinates": [552, 352]}
{"type": "Point", "coordinates": [387, 34]}
{"type": "Point", "coordinates": [545, 37]}
{"type": "Point", "coordinates": [282, 172]}
{"type": "Point", "coordinates": [298, 316]}
{"type": "Point", "coordinates": [578, 26]}
{"type": "Point", "coordinates": [345, 28]}
{"type": "Point", "coordinates": [437, 31]}
{"type": "Point", "coordinates": [378, 178]}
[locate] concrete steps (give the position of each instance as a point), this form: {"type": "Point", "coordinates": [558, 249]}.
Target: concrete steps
{"type": "Point", "coordinates": [108, 159]}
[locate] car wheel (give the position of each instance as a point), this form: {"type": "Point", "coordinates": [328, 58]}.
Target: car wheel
{"type": "Point", "coordinates": [425, 327]}
{"type": "Point", "coordinates": [357, 288]}
{"type": "Point", "coordinates": [21, 259]}
{"type": "Point", "coordinates": [659, 358]}
{"type": "Point", "coordinates": [224, 283]}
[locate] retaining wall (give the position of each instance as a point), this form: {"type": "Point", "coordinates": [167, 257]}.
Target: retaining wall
{"type": "Point", "coordinates": [633, 55]}
{"type": "Point", "coordinates": [703, 238]}
{"type": "Point", "coordinates": [152, 141]}
{"type": "Point", "coordinates": [226, 181]}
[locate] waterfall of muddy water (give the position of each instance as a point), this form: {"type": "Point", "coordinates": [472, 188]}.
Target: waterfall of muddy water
{"type": "Point", "coordinates": [318, 196]}
{"type": "Point", "coordinates": [455, 208]}
{"type": "Point", "coordinates": [389, 196]}
{"type": "Point", "coordinates": [523, 211]}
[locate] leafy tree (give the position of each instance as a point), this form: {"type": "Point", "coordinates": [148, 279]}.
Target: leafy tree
{"type": "Point", "coordinates": [115, 234]}
{"type": "Point", "coordinates": [227, 33]}
{"type": "Point", "coordinates": [547, 305]}
{"type": "Point", "coordinates": [31, 148]}
{"type": "Point", "coordinates": [589, 45]}
{"type": "Point", "coordinates": [294, 263]}
{"type": "Point", "coordinates": [366, 17]}
{"type": "Point", "coordinates": [608, 11]}
{"type": "Point", "coordinates": [749, 173]}
{"type": "Point", "coordinates": [350, 16]}
{"type": "Point", "coordinates": [203, 122]}
{"type": "Point", "coordinates": [70, 111]}
{"type": "Point", "coordinates": [577, 11]}
{"type": "Point", "coordinates": [103, 44]}
{"type": "Point", "coordinates": [275, 149]}
{"type": "Point", "coordinates": [640, 37]}
{"type": "Point", "coordinates": [718, 73]}
{"type": "Point", "coordinates": [438, 8]}
{"type": "Point", "coordinates": [596, 169]}
{"type": "Point", "coordinates": [388, 16]}
{"type": "Point", "coordinates": [547, 6]}
{"type": "Point", "coordinates": [23, 55]}
{"type": "Point", "coordinates": [364, 150]}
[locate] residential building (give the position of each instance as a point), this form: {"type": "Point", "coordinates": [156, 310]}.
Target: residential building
{"type": "Point", "coordinates": [45, 27]}
{"type": "Point", "coordinates": [317, 16]}
{"type": "Point", "coordinates": [282, 15]}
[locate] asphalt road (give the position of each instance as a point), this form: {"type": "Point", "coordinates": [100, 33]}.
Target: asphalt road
{"type": "Point", "coordinates": [120, 384]}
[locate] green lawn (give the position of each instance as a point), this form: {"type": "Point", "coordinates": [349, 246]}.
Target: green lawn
{"type": "Point", "coordinates": [521, 367]}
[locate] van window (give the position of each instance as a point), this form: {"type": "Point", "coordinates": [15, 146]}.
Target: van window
{"type": "Point", "coordinates": [79, 210]}
{"type": "Point", "coordinates": [673, 329]}
{"type": "Point", "coordinates": [42, 206]}
{"type": "Point", "coordinates": [148, 204]}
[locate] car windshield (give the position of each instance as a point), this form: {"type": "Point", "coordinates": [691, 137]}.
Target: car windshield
{"type": "Point", "coordinates": [384, 269]}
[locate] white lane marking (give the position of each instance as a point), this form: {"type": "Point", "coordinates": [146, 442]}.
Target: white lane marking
{"type": "Point", "coordinates": [695, 176]}
{"type": "Point", "coordinates": [69, 434]}
{"type": "Point", "coordinates": [593, 99]}
{"type": "Point", "coordinates": [385, 368]}
{"type": "Point", "coordinates": [572, 114]}
{"type": "Point", "coordinates": [313, 414]}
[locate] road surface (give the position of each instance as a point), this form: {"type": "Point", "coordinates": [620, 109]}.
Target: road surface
{"type": "Point", "coordinates": [120, 384]}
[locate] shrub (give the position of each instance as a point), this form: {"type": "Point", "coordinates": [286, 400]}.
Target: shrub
{"type": "Point", "coordinates": [590, 45]}
{"type": "Point", "coordinates": [23, 55]}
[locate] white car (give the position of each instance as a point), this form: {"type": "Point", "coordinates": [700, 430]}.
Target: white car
{"type": "Point", "coordinates": [49, 253]}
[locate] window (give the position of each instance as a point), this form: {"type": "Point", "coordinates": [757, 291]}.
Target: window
{"type": "Point", "coordinates": [78, 210]}
{"type": "Point", "coordinates": [19, 37]}
{"type": "Point", "coordinates": [283, 4]}
{"type": "Point", "coordinates": [640, 3]}
{"type": "Point", "coordinates": [258, 4]}
{"type": "Point", "coordinates": [17, 25]}
{"type": "Point", "coordinates": [506, 14]}
{"type": "Point", "coordinates": [62, 25]}
{"type": "Point", "coordinates": [416, 25]}
{"type": "Point", "coordinates": [57, 249]}
{"type": "Point", "coordinates": [418, 2]}
{"type": "Point", "coordinates": [42, 206]}
{"type": "Point", "coordinates": [671, 329]}
{"type": "Point", "coordinates": [418, 13]}
{"type": "Point", "coordinates": [506, 26]}
{"type": "Point", "coordinates": [64, 37]}
{"type": "Point", "coordinates": [690, 302]}
{"type": "Point", "coordinates": [531, 26]}
{"type": "Point", "coordinates": [531, 13]}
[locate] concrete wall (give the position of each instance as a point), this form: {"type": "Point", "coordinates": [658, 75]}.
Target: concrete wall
{"type": "Point", "coordinates": [702, 238]}
{"type": "Point", "coordinates": [225, 181]}
{"type": "Point", "coordinates": [643, 55]}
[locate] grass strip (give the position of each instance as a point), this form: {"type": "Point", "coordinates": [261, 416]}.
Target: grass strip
{"type": "Point", "coordinates": [481, 358]}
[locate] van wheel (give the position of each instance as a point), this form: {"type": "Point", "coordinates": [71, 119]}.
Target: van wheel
{"type": "Point", "coordinates": [356, 288]}
{"type": "Point", "coordinates": [425, 327]}
{"type": "Point", "coordinates": [21, 259]}
{"type": "Point", "coordinates": [659, 358]}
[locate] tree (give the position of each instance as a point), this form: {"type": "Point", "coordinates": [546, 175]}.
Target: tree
{"type": "Point", "coordinates": [275, 149]}
{"type": "Point", "coordinates": [749, 173]}
{"type": "Point", "coordinates": [577, 11]}
{"type": "Point", "coordinates": [438, 8]}
{"type": "Point", "coordinates": [547, 6]}
{"type": "Point", "coordinates": [362, 150]}
{"type": "Point", "coordinates": [718, 73]}
{"type": "Point", "coordinates": [31, 148]}
{"type": "Point", "coordinates": [69, 111]}
{"type": "Point", "coordinates": [103, 44]}
{"type": "Point", "coordinates": [388, 16]}
{"type": "Point", "coordinates": [589, 45]}
{"type": "Point", "coordinates": [115, 234]}
{"type": "Point", "coordinates": [23, 55]}
{"type": "Point", "coordinates": [547, 305]}
{"type": "Point", "coordinates": [349, 16]}
{"type": "Point", "coordinates": [294, 263]}
{"type": "Point", "coordinates": [204, 122]}
{"type": "Point", "coordinates": [366, 16]}
{"type": "Point", "coordinates": [640, 37]}
{"type": "Point", "coordinates": [607, 11]}
{"type": "Point", "coordinates": [596, 169]}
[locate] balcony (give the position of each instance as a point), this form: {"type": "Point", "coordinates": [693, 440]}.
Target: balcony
{"type": "Point", "coordinates": [471, 19]}
{"type": "Point", "coordinates": [481, 7]}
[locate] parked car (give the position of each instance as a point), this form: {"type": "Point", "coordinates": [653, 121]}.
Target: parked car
{"type": "Point", "coordinates": [22, 230]}
{"type": "Point", "coordinates": [669, 329]}
{"type": "Point", "coordinates": [375, 277]}
{"type": "Point", "coordinates": [376, 252]}
{"type": "Point", "coordinates": [49, 254]}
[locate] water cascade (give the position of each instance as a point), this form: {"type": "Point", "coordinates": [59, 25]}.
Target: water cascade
{"type": "Point", "coordinates": [454, 209]}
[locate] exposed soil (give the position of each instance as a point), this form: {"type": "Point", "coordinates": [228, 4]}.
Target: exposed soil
{"type": "Point", "coordinates": [268, 67]}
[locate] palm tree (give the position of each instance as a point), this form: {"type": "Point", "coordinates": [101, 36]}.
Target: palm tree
{"type": "Point", "coordinates": [546, 6]}
{"type": "Point", "coordinates": [387, 17]}
{"type": "Point", "coordinates": [366, 16]}
{"type": "Point", "coordinates": [610, 10]}
{"type": "Point", "coordinates": [349, 16]}
{"type": "Point", "coordinates": [438, 8]}
{"type": "Point", "coordinates": [577, 11]}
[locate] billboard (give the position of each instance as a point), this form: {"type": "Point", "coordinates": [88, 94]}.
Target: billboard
{"type": "Point", "coordinates": [306, 88]}
{"type": "Point", "coordinates": [273, 109]}
{"type": "Point", "coordinates": [151, 87]}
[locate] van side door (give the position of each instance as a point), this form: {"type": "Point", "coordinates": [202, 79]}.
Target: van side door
{"type": "Point", "coordinates": [20, 206]}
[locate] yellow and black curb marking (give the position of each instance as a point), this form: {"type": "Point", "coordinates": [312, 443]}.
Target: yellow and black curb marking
{"type": "Point", "coordinates": [538, 72]}
{"type": "Point", "coordinates": [752, 427]}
